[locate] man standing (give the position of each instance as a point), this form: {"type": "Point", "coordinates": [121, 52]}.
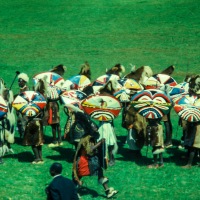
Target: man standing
{"type": "Point", "coordinates": [23, 79]}
{"type": "Point", "coordinates": [60, 188]}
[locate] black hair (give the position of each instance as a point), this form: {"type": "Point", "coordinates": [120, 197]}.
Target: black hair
{"type": "Point", "coordinates": [56, 168]}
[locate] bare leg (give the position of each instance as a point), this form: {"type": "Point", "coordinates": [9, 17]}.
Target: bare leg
{"type": "Point", "coordinates": [59, 133]}
{"type": "Point", "coordinates": [104, 181]}
{"type": "Point", "coordinates": [155, 159]}
{"type": "Point", "coordinates": [55, 142]}
{"type": "Point", "coordinates": [1, 160]}
{"type": "Point", "coordinates": [40, 152]}
{"type": "Point", "coordinates": [53, 126]}
{"type": "Point", "coordinates": [155, 162]}
{"type": "Point", "coordinates": [111, 156]}
{"type": "Point", "coordinates": [36, 154]}
{"type": "Point", "coordinates": [168, 130]}
{"type": "Point", "coordinates": [161, 163]}
{"type": "Point", "coordinates": [190, 159]}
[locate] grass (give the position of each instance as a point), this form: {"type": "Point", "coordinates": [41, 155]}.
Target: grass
{"type": "Point", "coordinates": [36, 35]}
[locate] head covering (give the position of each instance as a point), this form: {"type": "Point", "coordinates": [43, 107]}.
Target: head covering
{"type": "Point", "coordinates": [56, 168]}
{"type": "Point", "coordinates": [194, 84]}
{"type": "Point", "coordinates": [23, 76]}
{"type": "Point", "coordinates": [60, 69]}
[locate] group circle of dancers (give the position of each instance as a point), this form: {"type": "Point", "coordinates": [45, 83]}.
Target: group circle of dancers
{"type": "Point", "coordinates": [96, 144]}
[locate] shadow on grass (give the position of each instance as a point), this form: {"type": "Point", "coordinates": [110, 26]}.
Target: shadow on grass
{"type": "Point", "coordinates": [131, 155]}
{"type": "Point", "coordinates": [86, 191]}
{"type": "Point", "coordinates": [48, 139]}
{"type": "Point", "coordinates": [18, 140]}
{"type": "Point", "coordinates": [176, 156]}
{"type": "Point", "coordinates": [145, 157]}
{"type": "Point", "coordinates": [25, 156]}
{"type": "Point", "coordinates": [135, 156]}
{"type": "Point", "coordinates": [66, 154]}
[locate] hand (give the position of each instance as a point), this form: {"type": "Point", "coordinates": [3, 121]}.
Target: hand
{"type": "Point", "coordinates": [103, 140]}
{"type": "Point", "coordinates": [80, 183]}
{"type": "Point", "coordinates": [65, 135]}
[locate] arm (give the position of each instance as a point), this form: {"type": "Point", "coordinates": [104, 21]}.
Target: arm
{"type": "Point", "coordinates": [98, 144]}
{"type": "Point", "coordinates": [69, 124]}
{"type": "Point", "coordinates": [74, 169]}
{"type": "Point", "coordinates": [52, 193]}
{"type": "Point", "coordinates": [74, 195]}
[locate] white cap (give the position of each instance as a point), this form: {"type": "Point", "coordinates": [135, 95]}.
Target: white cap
{"type": "Point", "coordinates": [24, 77]}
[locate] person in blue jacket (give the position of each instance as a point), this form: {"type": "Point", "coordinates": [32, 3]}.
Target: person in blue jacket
{"type": "Point", "coordinates": [61, 188]}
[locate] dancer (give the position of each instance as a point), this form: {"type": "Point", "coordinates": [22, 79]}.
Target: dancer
{"type": "Point", "coordinates": [78, 125]}
{"type": "Point", "coordinates": [52, 108]}
{"type": "Point", "coordinates": [156, 140]}
{"type": "Point", "coordinates": [106, 130]}
{"type": "Point", "coordinates": [23, 80]}
{"type": "Point", "coordinates": [90, 160]}
{"type": "Point", "coordinates": [34, 134]}
{"type": "Point", "coordinates": [34, 137]}
{"type": "Point", "coordinates": [192, 129]}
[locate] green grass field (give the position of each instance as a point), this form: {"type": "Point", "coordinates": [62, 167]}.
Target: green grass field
{"type": "Point", "coordinates": [37, 35]}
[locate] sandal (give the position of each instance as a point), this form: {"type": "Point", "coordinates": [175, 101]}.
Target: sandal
{"type": "Point", "coordinates": [153, 166]}
{"type": "Point", "coordinates": [186, 167]}
{"type": "Point", "coordinates": [38, 161]}
{"type": "Point", "coordinates": [110, 192]}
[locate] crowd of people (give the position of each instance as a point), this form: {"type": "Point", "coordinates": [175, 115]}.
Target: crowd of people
{"type": "Point", "coordinates": [88, 159]}
{"type": "Point", "coordinates": [96, 145]}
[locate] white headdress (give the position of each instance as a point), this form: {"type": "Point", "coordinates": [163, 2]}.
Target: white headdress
{"type": "Point", "coordinates": [23, 76]}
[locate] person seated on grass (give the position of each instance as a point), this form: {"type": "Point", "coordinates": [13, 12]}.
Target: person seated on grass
{"type": "Point", "coordinates": [61, 188]}
{"type": "Point", "coordinates": [90, 160]}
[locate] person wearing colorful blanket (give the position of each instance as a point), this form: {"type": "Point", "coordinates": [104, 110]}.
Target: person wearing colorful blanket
{"type": "Point", "coordinates": [90, 160]}
{"type": "Point", "coordinates": [34, 137]}
{"type": "Point", "coordinates": [78, 124]}
{"type": "Point", "coordinates": [154, 130]}
{"type": "Point", "coordinates": [192, 130]}
{"type": "Point", "coordinates": [155, 139]}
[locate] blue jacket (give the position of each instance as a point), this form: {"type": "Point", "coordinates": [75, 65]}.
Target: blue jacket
{"type": "Point", "coordinates": [61, 188]}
